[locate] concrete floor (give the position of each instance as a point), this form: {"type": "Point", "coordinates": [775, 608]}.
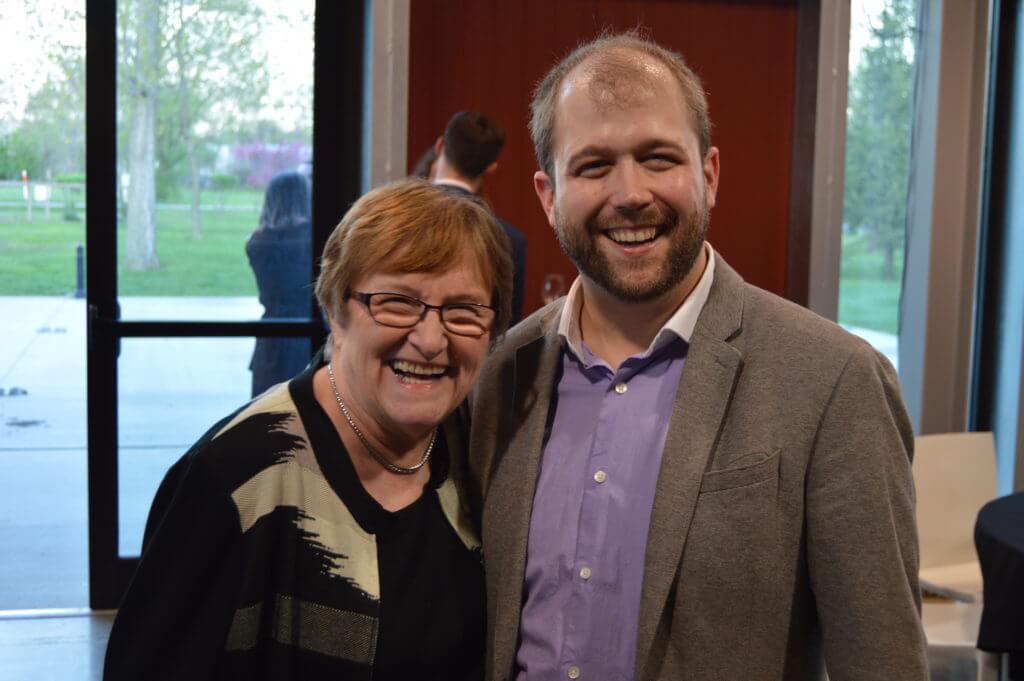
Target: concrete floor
{"type": "Point", "coordinates": [55, 647]}
{"type": "Point", "coordinates": [70, 647]}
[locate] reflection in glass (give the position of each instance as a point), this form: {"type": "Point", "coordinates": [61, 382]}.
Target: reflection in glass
{"type": "Point", "coordinates": [879, 119]}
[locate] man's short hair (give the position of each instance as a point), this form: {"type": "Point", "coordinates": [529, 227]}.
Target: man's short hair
{"type": "Point", "coordinates": [415, 226]}
{"type": "Point", "coordinates": [472, 142]}
{"type": "Point", "coordinates": [603, 50]}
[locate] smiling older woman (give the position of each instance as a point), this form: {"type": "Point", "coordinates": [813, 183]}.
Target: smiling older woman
{"type": "Point", "coordinates": [321, 531]}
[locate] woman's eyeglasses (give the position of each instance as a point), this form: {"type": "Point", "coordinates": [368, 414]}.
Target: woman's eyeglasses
{"type": "Point", "coordinates": [401, 311]}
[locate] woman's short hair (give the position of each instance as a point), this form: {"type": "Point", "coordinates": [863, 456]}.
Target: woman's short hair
{"type": "Point", "coordinates": [414, 226]}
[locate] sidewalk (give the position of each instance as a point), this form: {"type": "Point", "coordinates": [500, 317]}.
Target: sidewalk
{"type": "Point", "coordinates": [170, 392]}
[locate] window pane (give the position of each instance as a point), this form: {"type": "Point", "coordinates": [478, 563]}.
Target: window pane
{"type": "Point", "coordinates": [215, 100]}
{"type": "Point", "coordinates": [879, 118]}
{"type": "Point", "coordinates": [43, 469]}
{"type": "Point", "coordinates": [170, 392]}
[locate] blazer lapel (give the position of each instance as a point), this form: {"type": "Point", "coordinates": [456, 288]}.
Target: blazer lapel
{"type": "Point", "coordinates": [712, 366]}
{"type": "Point", "coordinates": [512, 487]}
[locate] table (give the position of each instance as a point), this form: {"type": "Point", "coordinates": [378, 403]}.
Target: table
{"type": "Point", "coordinates": [999, 539]}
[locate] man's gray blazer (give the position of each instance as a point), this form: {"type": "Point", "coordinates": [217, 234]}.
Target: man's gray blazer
{"type": "Point", "coordinates": [783, 529]}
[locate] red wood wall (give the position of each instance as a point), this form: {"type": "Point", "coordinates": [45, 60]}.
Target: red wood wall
{"type": "Point", "coordinates": [488, 54]}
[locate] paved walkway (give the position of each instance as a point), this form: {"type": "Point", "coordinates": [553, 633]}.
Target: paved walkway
{"type": "Point", "coordinates": [170, 392]}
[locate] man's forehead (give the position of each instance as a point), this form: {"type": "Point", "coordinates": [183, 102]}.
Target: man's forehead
{"type": "Point", "coordinates": [618, 78]}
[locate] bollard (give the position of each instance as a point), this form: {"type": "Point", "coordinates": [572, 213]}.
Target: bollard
{"type": "Point", "coordinates": [79, 271]}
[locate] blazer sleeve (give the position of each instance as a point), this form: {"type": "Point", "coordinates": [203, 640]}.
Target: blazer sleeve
{"type": "Point", "coordinates": [862, 547]}
{"type": "Point", "coordinates": [174, 618]}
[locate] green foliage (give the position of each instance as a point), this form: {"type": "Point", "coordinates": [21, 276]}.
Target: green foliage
{"type": "Point", "coordinates": [18, 152]}
{"type": "Point", "coordinates": [51, 135]}
{"type": "Point", "coordinates": [224, 181]}
{"type": "Point", "coordinates": [860, 260]}
{"type": "Point", "coordinates": [878, 133]}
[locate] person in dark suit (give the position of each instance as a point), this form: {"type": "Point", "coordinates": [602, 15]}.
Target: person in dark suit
{"type": "Point", "coordinates": [279, 252]}
{"type": "Point", "coordinates": [466, 154]}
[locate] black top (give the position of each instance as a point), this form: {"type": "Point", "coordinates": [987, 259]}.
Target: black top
{"type": "Point", "coordinates": [431, 606]}
{"type": "Point", "coordinates": [281, 261]}
{"type": "Point", "coordinates": [265, 558]}
{"type": "Point", "coordinates": [999, 538]}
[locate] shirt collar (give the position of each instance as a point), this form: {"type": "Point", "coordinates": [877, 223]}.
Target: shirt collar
{"type": "Point", "coordinates": [454, 183]}
{"type": "Point", "coordinates": [679, 325]}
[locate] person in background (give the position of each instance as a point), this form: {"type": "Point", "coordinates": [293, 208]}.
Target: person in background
{"type": "Point", "coordinates": [280, 255]}
{"type": "Point", "coordinates": [683, 476]}
{"type": "Point", "coordinates": [467, 154]}
{"type": "Point", "coordinates": [321, 531]}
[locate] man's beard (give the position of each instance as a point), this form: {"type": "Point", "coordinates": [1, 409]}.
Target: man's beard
{"type": "Point", "coordinates": [686, 237]}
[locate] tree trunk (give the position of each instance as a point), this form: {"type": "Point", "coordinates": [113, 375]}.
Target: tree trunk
{"type": "Point", "coordinates": [889, 264]}
{"type": "Point", "coordinates": [193, 162]}
{"type": "Point", "coordinates": [140, 236]}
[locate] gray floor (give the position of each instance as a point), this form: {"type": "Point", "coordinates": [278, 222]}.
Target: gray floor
{"type": "Point", "coordinates": [70, 647]}
{"type": "Point", "coordinates": [53, 648]}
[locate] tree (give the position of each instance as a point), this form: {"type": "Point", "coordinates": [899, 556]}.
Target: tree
{"type": "Point", "coordinates": [216, 66]}
{"type": "Point", "coordinates": [878, 133]}
{"type": "Point", "coordinates": [140, 83]}
{"type": "Point", "coordinates": [43, 122]}
{"type": "Point", "coordinates": [184, 65]}
{"type": "Point", "coordinates": [50, 137]}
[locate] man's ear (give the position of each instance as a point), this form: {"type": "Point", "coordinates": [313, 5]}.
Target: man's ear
{"type": "Point", "coordinates": [545, 189]}
{"type": "Point", "coordinates": [710, 170]}
{"type": "Point", "coordinates": [439, 146]}
{"type": "Point", "coordinates": [491, 168]}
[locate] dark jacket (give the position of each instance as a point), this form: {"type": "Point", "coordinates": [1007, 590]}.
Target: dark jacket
{"type": "Point", "coordinates": [281, 261]}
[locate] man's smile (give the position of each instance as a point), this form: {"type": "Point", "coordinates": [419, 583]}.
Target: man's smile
{"type": "Point", "coordinates": [632, 235]}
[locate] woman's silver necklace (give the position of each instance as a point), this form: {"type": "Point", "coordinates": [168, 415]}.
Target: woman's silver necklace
{"type": "Point", "coordinates": [381, 459]}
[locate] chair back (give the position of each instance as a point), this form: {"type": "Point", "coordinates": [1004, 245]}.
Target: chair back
{"type": "Point", "coordinates": [954, 475]}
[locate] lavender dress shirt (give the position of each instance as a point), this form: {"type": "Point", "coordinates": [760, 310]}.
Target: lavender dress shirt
{"type": "Point", "coordinates": [592, 504]}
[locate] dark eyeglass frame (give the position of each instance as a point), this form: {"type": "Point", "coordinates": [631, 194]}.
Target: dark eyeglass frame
{"type": "Point", "coordinates": [365, 297]}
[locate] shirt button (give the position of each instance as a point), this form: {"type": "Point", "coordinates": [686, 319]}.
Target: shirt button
{"type": "Point", "coordinates": [621, 388]}
{"type": "Point", "coordinates": [574, 672]}
{"type": "Point", "coordinates": [585, 573]}
{"type": "Point", "coordinates": [600, 476]}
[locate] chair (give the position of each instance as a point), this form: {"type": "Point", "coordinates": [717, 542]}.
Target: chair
{"type": "Point", "coordinates": [955, 475]}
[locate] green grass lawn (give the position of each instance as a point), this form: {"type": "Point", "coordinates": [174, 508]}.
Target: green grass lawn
{"type": "Point", "coordinates": [870, 304]}
{"type": "Point", "coordinates": [866, 298]}
{"type": "Point", "coordinates": [38, 258]}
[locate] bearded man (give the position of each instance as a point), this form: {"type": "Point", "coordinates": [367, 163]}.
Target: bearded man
{"type": "Point", "coordinates": [682, 476]}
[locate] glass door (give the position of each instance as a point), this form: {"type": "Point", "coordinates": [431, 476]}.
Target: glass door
{"type": "Point", "coordinates": [208, 219]}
